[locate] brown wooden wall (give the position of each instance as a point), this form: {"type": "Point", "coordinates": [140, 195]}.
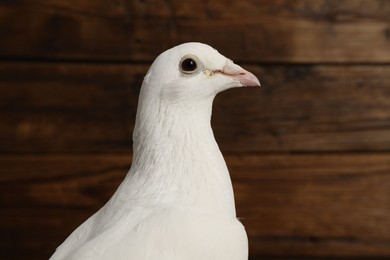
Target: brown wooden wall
{"type": "Point", "coordinates": [309, 152]}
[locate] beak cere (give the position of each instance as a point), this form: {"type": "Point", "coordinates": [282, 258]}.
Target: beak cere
{"type": "Point", "coordinates": [245, 77]}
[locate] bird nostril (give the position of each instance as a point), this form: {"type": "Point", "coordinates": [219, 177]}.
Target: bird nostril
{"type": "Point", "coordinates": [211, 72]}
{"type": "Point", "coordinates": [208, 72]}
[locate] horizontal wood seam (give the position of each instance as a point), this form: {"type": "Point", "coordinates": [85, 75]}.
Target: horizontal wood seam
{"type": "Point", "coordinates": [24, 59]}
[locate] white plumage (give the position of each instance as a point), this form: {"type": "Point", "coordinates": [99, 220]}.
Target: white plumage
{"type": "Point", "coordinates": [176, 202]}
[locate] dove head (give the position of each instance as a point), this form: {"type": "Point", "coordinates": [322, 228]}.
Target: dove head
{"type": "Point", "coordinates": [194, 71]}
{"type": "Point", "coordinates": [179, 89]}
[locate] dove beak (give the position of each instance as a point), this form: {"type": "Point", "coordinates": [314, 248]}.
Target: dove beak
{"type": "Point", "coordinates": [245, 77]}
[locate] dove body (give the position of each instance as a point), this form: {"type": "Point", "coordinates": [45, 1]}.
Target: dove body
{"type": "Point", "coordinates": [176, 201]}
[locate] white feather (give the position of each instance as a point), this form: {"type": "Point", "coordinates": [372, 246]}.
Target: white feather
{"type": "Point", "coordinates": [176, 201]}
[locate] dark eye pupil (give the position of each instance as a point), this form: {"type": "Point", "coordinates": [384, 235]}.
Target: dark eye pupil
{"type": "Point", "coordinates": [188, 65]}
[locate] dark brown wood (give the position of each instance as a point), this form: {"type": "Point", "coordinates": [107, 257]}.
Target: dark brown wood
{"type": "Point", "coordinates": [309, 152]}
{"type": "Point", "coordinates": [48, 106]}
{"type": "Point", "coordinates": [266, 31]}
{"type": "Point", "coordinates": [80, 108]}
{"type": "Point", "coordinates": [314, 205]}
{"type": "Point", "coordinates": [292, 205]}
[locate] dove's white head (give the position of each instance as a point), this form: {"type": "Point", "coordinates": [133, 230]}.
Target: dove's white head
{"type": "Point", "coordinates": [194, 71]}
{"type": "Point", "coordinates": [179, 89]}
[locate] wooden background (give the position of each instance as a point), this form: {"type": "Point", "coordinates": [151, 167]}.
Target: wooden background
{"type": "Point", "coordinates": [309, 152]}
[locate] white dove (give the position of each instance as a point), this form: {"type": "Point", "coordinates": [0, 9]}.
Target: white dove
{"type": "Point", "coordinates": [176, 202]}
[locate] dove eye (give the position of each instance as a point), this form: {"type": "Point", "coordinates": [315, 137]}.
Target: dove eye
{"type": "Point", "coordinates": [189, 65]}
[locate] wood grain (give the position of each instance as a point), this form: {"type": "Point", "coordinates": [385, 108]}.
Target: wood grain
{"type": "Point", "coordinates": [295, 205]}
{"type": "Point", "coordinates": [309, 152]}
{"type": "Point", "coordinates": [252, 31]}
{"type": "Point", "coordinates": [90, 108]}
{"type": "Point", "coordinates": [46, 107]}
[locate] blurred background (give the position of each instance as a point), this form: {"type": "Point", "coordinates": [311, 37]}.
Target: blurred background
{"type": "Point", "coordinates": [309, 152]}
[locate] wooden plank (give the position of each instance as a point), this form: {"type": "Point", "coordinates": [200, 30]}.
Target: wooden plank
{"type": "Point", "coordinates": [314, 206]}
{"type": "Point", "coordinates": [80, 108]}
{"type": "Point", "coordinates": [255, 31]}
{"type": "Point", "coordinates": [61, 108]}
{"type": "Point", "coordinates": [292, 205]}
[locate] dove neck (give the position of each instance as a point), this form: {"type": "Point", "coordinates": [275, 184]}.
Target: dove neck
{"type": "Point", "coordinates": [176, 156]}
